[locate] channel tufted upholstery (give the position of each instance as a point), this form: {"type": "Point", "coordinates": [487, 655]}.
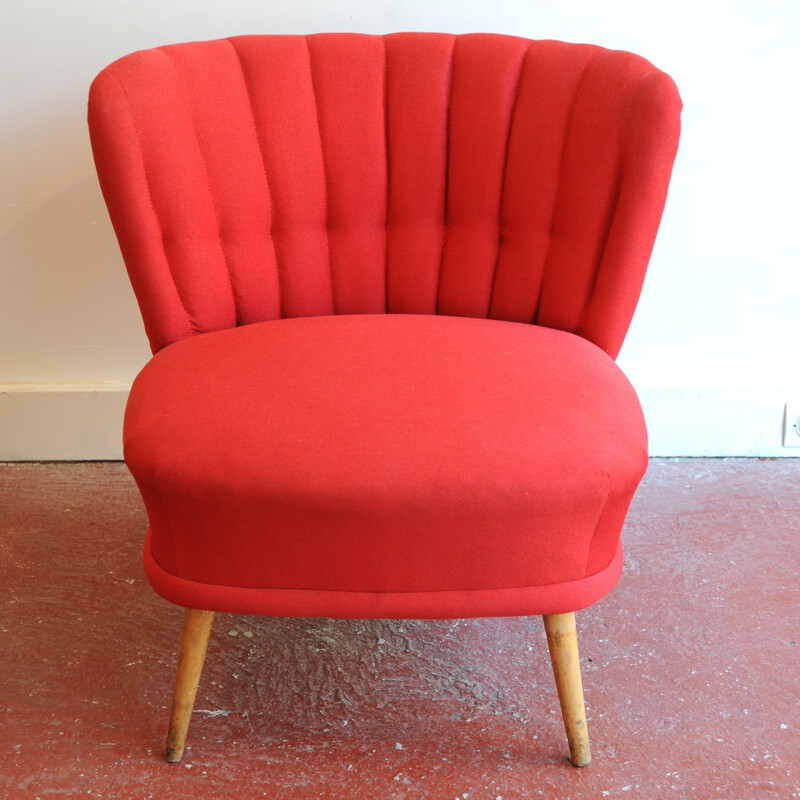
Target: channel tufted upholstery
{"type": "Point", "coordinates": [384, 279]}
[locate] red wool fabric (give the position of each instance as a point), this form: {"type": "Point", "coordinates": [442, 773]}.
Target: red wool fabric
{"type": "Point", "coordinates": [385, 279]}
{"type": "Point", "coordinates": [384, 454]}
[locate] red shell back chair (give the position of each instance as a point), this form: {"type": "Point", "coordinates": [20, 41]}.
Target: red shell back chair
{"type": "Point", "coordinates": [385, 279]}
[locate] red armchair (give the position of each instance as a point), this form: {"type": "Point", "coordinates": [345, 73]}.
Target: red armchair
{"type": "Point", "coordinates": [385, 280]}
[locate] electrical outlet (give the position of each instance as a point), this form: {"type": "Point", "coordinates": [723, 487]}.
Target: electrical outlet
{"type": "Point", "coordinates": [791, 424]}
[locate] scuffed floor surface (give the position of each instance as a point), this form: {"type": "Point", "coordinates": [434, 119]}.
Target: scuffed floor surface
{"type": "Point", "coordinates": [691, 667]}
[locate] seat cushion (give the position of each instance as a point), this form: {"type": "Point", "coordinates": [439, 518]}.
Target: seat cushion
{"type": "Point", "coordinates": [384, 465]}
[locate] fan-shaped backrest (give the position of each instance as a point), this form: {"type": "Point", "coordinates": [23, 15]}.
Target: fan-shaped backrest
{"type": "Point", "coordinates": [480, 175]}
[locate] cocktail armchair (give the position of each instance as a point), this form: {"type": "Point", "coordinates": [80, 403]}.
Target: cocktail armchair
{"type": "Point", "coordinates": [385, 279]}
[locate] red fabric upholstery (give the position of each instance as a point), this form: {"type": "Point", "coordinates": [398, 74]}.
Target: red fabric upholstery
{"type": "Point", "coordinates": [362, 229]}
{"type": "Point", "coordinates": [384, 454]}
{"type": "Point", "coordinates": [478, 175]}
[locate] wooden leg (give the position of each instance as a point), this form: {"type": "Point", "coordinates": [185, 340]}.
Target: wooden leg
{"type": "Point", "coordinates": [562, 639]}
{"type": "Point", "coordinates": [194, 641]}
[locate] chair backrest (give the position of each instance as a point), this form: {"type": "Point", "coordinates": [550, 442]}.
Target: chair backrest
{"type": "Point", "coordinates": [480, 175]}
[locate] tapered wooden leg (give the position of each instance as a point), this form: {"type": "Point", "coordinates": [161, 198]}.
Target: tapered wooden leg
{"type": "Point", "coordinates": [562, 639]}
{"type": "Point", "coordinates": [194, 641]}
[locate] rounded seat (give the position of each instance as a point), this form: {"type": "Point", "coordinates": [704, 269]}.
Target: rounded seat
{"type": "Point", "coordinates": [288, 467]}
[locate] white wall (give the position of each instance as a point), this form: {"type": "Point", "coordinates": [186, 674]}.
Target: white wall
{"type": "Point", "coordinates": [714, 345]}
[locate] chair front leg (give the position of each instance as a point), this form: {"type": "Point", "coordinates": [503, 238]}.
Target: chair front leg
{"type": "Point", "coordinates": [194, 642]}
{"type": "Point", "coordinates": [562, 639]}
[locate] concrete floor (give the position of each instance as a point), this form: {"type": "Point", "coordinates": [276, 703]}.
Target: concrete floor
{"type": "Point", "coordinates": [691, 666]}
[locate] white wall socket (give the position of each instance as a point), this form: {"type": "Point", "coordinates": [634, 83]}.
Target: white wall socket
{"type": "Point", "coordinates": [791, 424]}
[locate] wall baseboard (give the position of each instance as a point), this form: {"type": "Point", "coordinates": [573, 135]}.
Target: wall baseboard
{"type": "Point", "coordinates": [83, 422]}
{"type": "Point", "coordinates": [62, 422]}
{"type": "Point", "coordinates": [716, 422]}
